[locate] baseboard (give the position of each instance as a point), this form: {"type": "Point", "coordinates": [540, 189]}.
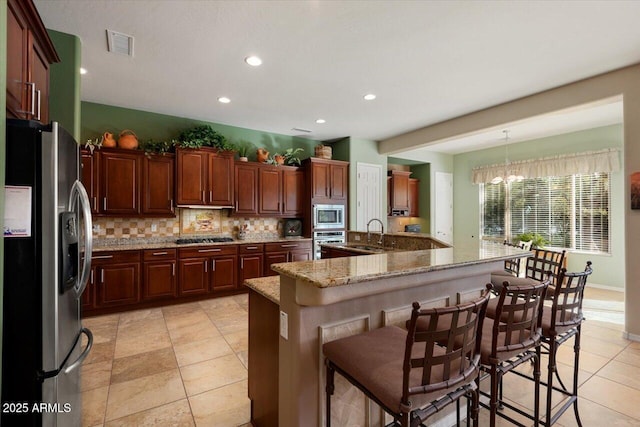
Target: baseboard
{"type": "Point", "coordinates": [605, 287]}
{"type": "Point", "coordinates": [632, 337]}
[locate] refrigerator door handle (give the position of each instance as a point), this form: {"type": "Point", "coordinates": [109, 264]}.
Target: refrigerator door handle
{"type": "Point", "coordinates": [85, 205]}
{"type": "Point", "coordinates": [84, 353]}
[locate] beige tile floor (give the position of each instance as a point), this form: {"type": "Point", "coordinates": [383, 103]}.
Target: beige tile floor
{"type": "Point", "coordinates": [186, 365]}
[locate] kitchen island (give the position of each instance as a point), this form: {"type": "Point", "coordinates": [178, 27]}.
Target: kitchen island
{"type": "Point", "coordinates": [320, 301]}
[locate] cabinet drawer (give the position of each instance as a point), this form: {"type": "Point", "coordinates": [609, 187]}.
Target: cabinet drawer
{"type": "Point", "coordinates": [287, 246]}
{"type": "Point", "coordinates": [251, 248]}
{"type": "Point", "coordinates": [206, 251]}
{"type": "Point", "coordinates": [159, 254]}
{"type": "Point", "coordinates": [112, 257]}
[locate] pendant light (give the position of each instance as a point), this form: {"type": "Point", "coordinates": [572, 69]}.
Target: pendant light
{"type": "Point", "coordinates": [507, 174]}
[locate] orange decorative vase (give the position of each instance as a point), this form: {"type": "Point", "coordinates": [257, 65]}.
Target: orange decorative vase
{"type": "Point", "coordinates": [128, 140]}
{"type": "Point", "coordinates": [108, 140]}
{"type": "Point", "coordinates": [262, 155]}
{"type": "Point", "coordinates": [279, 159]}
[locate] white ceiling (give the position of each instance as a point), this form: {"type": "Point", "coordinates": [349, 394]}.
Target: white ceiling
{"type": "Point", "coordinates": [427, 61]}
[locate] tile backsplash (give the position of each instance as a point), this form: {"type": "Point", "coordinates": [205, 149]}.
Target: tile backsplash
{"type": "Point", "coordinates": [187, 222]}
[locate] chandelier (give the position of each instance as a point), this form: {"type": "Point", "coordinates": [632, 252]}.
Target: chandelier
{"type": "Point", "coordinates": [507, 174]}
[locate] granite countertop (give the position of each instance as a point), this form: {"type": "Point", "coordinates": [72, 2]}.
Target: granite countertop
{"type": "Point", "coordinates": [269, 287]}
{"type": "Point", "coordinates": [343, 271]}
{"type": "Point", "coordinates": [362, 248]}
{"type": "Point", "coordinates": [137, 244]}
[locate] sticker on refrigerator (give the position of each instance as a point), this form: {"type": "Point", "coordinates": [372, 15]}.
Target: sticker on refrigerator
{"type": "Point", "coordinates": [17, 211]}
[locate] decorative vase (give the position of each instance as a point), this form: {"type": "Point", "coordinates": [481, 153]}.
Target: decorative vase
{"type": "Point", "coordinates": [128, 140]}
{"type": "Point", "coordinates": [262, 155]}
{"type": "Point", "coordinates": [108, 140]}
{"type": "Point", "coordinates": [243, 159]}
{"type": "Point", "coordinates": [279, 159]}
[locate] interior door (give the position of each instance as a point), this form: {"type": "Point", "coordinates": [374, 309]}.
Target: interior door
{"type": "Point", "coordinates": [444, 207]}
{"type": "Point", "coordinates": [368, 194]}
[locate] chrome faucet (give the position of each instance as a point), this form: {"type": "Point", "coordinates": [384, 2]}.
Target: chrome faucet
{"type": "Point", "coordinates": [381, 232]}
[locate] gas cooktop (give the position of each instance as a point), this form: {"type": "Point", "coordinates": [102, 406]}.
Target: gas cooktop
{"type": "Point", "coordinates": [204, 240]}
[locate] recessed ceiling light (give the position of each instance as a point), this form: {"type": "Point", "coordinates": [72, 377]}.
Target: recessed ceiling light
{"type": "Point", "coordinates": [369, 97]}
{"type": "Point", "coordinates": [254, 61]}
{"type": "Point", "coordinates": [224, 100]}
{"type": "Point", "coordinates": [83, 70]}
{"type": "Point", "coordinates": [321, 121]}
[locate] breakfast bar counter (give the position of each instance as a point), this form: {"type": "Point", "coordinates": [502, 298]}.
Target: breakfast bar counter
{"type": "Point", "coordinates": [320, 301]}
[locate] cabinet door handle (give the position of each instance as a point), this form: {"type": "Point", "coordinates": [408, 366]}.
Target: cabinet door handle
{"type": "Point", "coordinates": [91, 277]}
{"type": "Point", "coordinates": [95, 203]}
{"type": "Point", "coordinates": [159, 253]}
{"type": "Point", "coordinates": [202, 251]}
{"type": "Point", "coordinates": [288, 246]}
{"type": "Point", "coordinates": [204, 197]}
{"type": "Point", "coordinates": [32, 110]}
{"type": "Point", "coordinates": [173, 269]}
{"type": "Point", "coordinates": [102, 257]}
{"type": "Point", "coordinates": [236, 205]}
{"type": "Point", "coordinates": [39, 103]}
{"type": "Point", "coordinates": [242, 263]}
{"type": "Point", "coordinates": [206, 266]}
{"type": "Point", "coordinates": [102, 276]}
{"type": "Point", "coordinates": [104, 203]}
{"type": "Point", "coordinates": [210, 195]}
{"type": "Point", "coordinates": [213, 265]}
{"type": "Point", "coordinates": [251, 248]}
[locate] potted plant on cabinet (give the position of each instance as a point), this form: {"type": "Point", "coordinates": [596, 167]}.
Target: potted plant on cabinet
{"type": "Point", "coordinates": [204, 136]}
{"type": "Point", "coordinates": [291, 156]}
{"type": "Point", "coordinates": [243, 151]}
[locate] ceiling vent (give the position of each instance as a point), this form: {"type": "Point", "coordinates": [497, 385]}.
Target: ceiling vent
{"type": "Point", "coordinates": [120, 43]}
{"type": "Point", "coordinates": [301, 130]}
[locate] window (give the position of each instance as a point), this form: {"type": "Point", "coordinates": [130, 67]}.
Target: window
{"type": "Point", "coordinates": [571, 212]}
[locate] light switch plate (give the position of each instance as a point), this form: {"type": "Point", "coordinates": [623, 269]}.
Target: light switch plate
{"type": "Point", "coordinates": [284, 325]}
{"type": "Point", "coordinates": [154, 228]}
{"type": "Point", "coordinates": [357, 237]}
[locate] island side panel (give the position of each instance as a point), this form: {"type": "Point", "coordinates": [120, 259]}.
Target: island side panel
{"type": "Point", "coordinates": [264, 316]}
{"type": "Point", "coordinates": [301, 388]}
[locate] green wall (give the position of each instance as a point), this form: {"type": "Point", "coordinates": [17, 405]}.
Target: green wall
{"type": "Point", "coordinates": [3, 133]}
{"type": "Point", "coordinates": [64, 95]}
{"type": "Point", "coordinates": [608, 270]}
{"type": "Point", "coordinates": [98, 118]}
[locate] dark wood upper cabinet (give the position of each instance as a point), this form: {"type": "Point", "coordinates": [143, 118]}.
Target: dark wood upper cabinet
{"type": "Point", "coordinates": [90, 177]}
{"type": "Point", "coordinates": [270, 191]}
{"type": "Point", "coordinates": [400, 190]}
{"type": "Point", "coordinates": [158, 185]}
{"type": "Point", "coordinates": [120, 183]}
{"type": "Point", "coordinates": [191, 177]}
{"type": "Point", "coordinates": [220, 179]}
{"type": "Point", "coordinates": [204, 177]}
{"type": "Point", "coordinates": [414, 197]}
{"type": "Point", "coordinates": [329, 180]}
{"type": "Point", "coordinates": [293, 193]}
{"type": "Point", "coordinates": [29, 54]}
{"type": "Point", "coordinates": [246, 189]}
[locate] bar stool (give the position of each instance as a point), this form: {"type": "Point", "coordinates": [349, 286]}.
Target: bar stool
{"type": "Point", "coordinates": [511, 266]}
{"type": "Point", "coordinates": [413, 374]}
{"type": "Point", "coordinates": [511, 338]}
{"type": "Point", "coordinates": [543, 263]}
{"type": "Point", "coordinates": [561, 321]}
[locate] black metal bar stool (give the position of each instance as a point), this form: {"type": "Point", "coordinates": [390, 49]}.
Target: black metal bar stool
{"type": "Point", "coordinates": [413, 374]}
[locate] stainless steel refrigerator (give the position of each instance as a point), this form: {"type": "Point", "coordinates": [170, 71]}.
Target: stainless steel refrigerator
{"type": "Point", "coordinates": [47, 261]}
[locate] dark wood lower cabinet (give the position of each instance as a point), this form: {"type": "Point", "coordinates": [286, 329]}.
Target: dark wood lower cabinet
{"type": "Point", "coordinates": [223, 273]}
{"type": "Point", "coordinates": [118, 283]}
{"type": "Point", "coordinates": [194, 276]}
{"type": "Point", "coordinates": [130, 279]}
{"type": "Point", "coordinates": [264, 318]}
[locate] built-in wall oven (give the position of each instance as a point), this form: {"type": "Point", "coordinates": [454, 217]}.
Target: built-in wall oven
{"type": "Point", "coordinates": [328, 217]}
{"type": "Point", "coordinates": [320, 237]}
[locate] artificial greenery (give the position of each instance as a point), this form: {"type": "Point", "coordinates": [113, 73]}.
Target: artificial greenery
{"type": "Point", "coordinates": [204, 136]}
{"type": "Point", "coordinates": [161, 147]}
{"type": "Point", "coordinates": [92, 144]}
{"type": "Point", "coordinates": [537, 240]}
{"type": "Point", "coordinates": [244, 148]}
{"type": "Point", "coordinates": [291, 156]}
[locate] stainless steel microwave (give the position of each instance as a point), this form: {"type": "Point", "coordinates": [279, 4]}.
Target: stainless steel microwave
{"type": "Point", "coordinates": [328, 216]}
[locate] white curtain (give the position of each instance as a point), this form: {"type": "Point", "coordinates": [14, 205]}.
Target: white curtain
{"type": "Point", "coordinates": [588, 162]}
